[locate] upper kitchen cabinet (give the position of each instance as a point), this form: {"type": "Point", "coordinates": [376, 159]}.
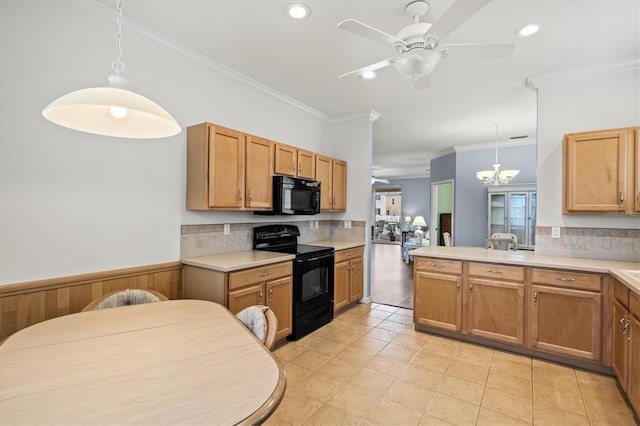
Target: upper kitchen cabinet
{"type": "Point", "coordinates": [227, 169]}
{"type": "Point", "coordinates": [332, 174]}
{"type": "Point", "coordinates": [600, 171]}
{"type": "Point", "coordinates": [293, 161]}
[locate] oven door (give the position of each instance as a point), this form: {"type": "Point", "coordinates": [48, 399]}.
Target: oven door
{"type": "Point", "coordinates": [312, 283]}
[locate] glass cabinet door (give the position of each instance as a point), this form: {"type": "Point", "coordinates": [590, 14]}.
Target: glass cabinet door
{"type": "Point", "coordinates": [532, 218]}
{"type": "Point", "coordinates": [497, 215]}
{"type": "Point", "coordinates": [518, 216]}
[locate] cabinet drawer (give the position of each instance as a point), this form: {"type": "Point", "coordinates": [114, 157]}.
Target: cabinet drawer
{"type": "Point", "coordinates": [438, 265]}
{"type": "Point", "coordinates": [568, 279]}
{"type": "Point", "coordinates": [348, 254]}
{"type": "Point", "coordinates": [634, 304]}
{"type": "Point", "coordinates": [258, 275]}
{"type": "Point", "coordinates": [500, 272]}
{"type": "Point", "coordinates": [621, 293]}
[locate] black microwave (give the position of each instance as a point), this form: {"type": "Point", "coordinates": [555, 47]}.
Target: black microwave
{"type": "Point", "coordinates": [294, 196]}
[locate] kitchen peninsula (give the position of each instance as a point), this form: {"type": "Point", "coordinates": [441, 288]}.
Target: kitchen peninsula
{"type": "Point", "coordinates": [558, 308]}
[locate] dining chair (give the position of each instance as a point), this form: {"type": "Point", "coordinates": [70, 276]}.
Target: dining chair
{"type": "Point", "coordinates": [447, 239]}
{"type": "Point", "coordinates": [502, 241]}
{"type": "Point", "coordinates": [126, 297]}
{"type": "Point", "coordinates": [262, 322]}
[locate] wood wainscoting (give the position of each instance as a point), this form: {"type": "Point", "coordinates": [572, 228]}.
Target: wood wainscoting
{"type": "Point", "coordinates": [28, 303]}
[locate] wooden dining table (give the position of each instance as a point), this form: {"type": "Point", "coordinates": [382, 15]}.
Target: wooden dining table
{"type": "Point", "coordinates": [175, 362]}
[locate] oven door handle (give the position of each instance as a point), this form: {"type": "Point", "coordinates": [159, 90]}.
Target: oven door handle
{"type": "Point", "coordinates": [326, 256]}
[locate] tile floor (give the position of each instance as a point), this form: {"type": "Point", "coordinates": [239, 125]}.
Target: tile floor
{"type": "Point", "coordinates": [370, 367]}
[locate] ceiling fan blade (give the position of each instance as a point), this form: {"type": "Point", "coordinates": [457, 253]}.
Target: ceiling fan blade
{"type": "Point", "coordinates": [478, 50]}
{"type": "Point", "coordinates": [372, 67]}
{"type": "Point", "coordinates": [422, 83]}
{"type": "Point", "coordinates": [459, 12]}
{"type": "Point", "coordinates": [371, 33]}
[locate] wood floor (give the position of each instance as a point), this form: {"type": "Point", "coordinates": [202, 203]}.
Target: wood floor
{"type": "Point", "coordinates": [391, 278]}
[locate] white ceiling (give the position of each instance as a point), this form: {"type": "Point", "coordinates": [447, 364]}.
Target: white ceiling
{"type": "Point", "coordinates": [303, 58]}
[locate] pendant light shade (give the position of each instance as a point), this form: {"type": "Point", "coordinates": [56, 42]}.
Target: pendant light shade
{"type": "Point", "coordinates": [112, 110]}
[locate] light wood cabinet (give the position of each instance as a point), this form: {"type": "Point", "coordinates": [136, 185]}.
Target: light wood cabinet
{"type": "Point", "coordinates": [269, 285]}
{"type": "Point", "coordinates": [437, 293]}
{"type": "Point", "coordinates": [626, 342]}
{"type": "Point", "coordinates": [348, 276]}
{"type": "Point", "coordinates": [227, 169]}
{"type": "Point", "coordinates": [494, 302]}
{"type": "Point", "coordinates": [566, 313]}
{"type": "Point", "coordinates": [332, 175]}
{"type": "Point", "coordinates": [294, 161]}
{"type": "Point", "coordinates": [600, 171]}
{"type": "Point", "coordinates": [636, 171]}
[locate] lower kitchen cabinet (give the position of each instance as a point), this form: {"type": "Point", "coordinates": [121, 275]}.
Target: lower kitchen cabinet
{"type": "Point", "coordinates": [348, 276]}
{"type": "Point", "coordinates": [269, 285]}
{"type": "Point", "coordinates": [626, 342]}
{"type": "Point", "coordinates": [565, 311]}
{"type": "Point", "coordinates": [437, 293]}
{"type": "Point", "coordinates": [494, 307]}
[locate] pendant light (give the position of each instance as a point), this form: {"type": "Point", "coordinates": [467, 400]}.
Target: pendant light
{"type": "Point", "coordinates": [496, 177]}
{"type": "Point", "coordinates": [112, 110]}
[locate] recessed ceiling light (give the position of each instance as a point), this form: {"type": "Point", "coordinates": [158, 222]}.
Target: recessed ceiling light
{"type": "Point", "coordinates": [527, 30]}
{"type": "Point", "coordinates": [298, 10]}
{"type": "Point", "coordinates": [368, 75]}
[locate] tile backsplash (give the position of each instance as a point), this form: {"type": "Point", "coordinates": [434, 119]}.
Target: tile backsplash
{"type": "Point", "coordinates": [591, 243]}
{"type": "Point", "coordinates": [204, 240]}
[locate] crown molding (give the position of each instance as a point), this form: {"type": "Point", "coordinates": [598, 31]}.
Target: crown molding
{"type": "Point", "coordinates": [568, 76]}
{"type": "Point", "coordinates": [371, 115]}
{"type": "Point", "coordinates": [106, 16]}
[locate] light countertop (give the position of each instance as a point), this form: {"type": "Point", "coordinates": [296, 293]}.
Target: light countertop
{"type": "Point", "coordinates": [529, 258]}
{"type": "Point", "coordinates": [228, 262]}
{"type": "Point", "coordinates": [337, 244]}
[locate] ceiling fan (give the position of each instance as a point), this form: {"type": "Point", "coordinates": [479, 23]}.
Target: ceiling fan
{"type": "Point", "coordinates": [417, 45]}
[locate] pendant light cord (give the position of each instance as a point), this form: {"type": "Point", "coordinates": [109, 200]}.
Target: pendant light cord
{"type": "Point", "coordinates": [496, 124]}
{"type": "Point", "coordinates": [118, 65]}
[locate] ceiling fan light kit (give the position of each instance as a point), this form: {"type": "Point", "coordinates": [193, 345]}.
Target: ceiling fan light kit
{"type": "Point", "coordinates": [418, 51]}
{"type": "Point", "coordinates": [112, 110]}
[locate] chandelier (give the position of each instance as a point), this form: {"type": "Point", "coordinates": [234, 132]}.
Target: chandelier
{"type": "Point", "coordinates": [496, 177]}
{"type": "Point", "coordinates": [112, 110]}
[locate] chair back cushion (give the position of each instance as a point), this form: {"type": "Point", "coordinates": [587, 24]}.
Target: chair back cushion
{"type": "Point", "coordinates": [255, 320]}
{"type": "Point", "coordinates": [128, 297]}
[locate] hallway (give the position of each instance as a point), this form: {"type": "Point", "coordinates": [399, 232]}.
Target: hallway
{"type": "Point", "coordinates": [391, 278]}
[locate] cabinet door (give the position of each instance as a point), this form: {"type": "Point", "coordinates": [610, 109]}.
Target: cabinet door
{"type": "Point", "coordinates": [341, 285]}
{"type": "Point", "coordinates": [518, 216]}
{"type": "Point", "coordinates": [306, 164]}
{"type": "Point", "coordinates": [496, 310]}
{"type": "Point", "coordinates": [566, 321]}
{"type": "Point", "coordinates": [356, 279]}
{"type": "Point", "coordinates": [259, 169]}
{"type": "Point", "coordinates": [636, 171]}
{"type": "Point", "coordinates": [339, 178]}
{"type": "Point", "coordinates": [497, 213]}
{"type": "Point", "coordinates": [226, 167]}
{"type": "Point", "coordinates": [620, 349]}
{"type": "Point", "coordinates": [533, 211]}
{"type": "Point", "coordinates": [633, 384]}
{"type": "Point", "coordinates": [245, 297]}
{"type": "Point", "coordinates": [323, 175]}
{"type": "Point", "coordinates": [286, 160]}
{"type": "Point", "coordinates": [594, 171]}
{"type": "Point", "coordinates": [279, 299]}
{"type": "Point", "coordinates": [437, 301]}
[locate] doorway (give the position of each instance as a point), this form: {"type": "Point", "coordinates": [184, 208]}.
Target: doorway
{"type": "Point", "coordinates": [442, 219]}
{"type": "Point", "coordinates": [387, 210]}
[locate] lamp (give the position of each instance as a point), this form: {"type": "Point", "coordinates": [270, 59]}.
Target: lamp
{"type": "Point", "coordinates": [496, 177]}
{"type": "Point", "coordinates": [112, 110]}
{"type": "Point", "coordinates": [407, 221]}
{"type": "Point", "coordinates": [419, 222]}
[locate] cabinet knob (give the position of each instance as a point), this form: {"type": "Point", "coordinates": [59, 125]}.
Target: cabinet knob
{"type": "Point", "coordinates": [565, 279]}
{"type": "Point", "coordinates": [260, 298]}
{"type": "Point", "coordinates": [293, 166]}
{"type": "Point", "coordinates": [470, 289]}
{"type": "Point", "coordinates": [535, 297]}
{"type": "Point", "coordinates": [239, 195]}
{"type": "Point", "coordinates": [249, 195]}
{"type": "Point", "coordinates": [270, 293]}
{"type": "Point", "coordinates": [457, 285]}
{"type": "Point", "coordinates": [621, 198]}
